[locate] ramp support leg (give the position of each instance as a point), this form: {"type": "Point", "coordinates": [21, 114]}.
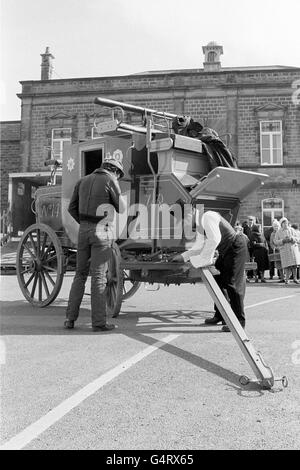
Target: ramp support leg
{"type": "Point", "coordinates": [263, 372]}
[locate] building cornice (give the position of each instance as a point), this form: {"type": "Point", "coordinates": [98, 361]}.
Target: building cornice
{"type": "Point", "coordinates": [159, 89]}
{"type": "Point", "coordinates": [11, 122]}
{"type": "Point", "coordinates": [171, 73]}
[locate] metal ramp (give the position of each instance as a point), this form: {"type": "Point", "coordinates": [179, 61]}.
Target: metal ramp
{"type": "Point", "coordinates": [263, 373]}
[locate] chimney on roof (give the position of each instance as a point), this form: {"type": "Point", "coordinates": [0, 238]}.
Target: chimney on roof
{"type": "Point", "coordinates": [212, 52]}
{"type": "Point", "coordinates": [46, 65]}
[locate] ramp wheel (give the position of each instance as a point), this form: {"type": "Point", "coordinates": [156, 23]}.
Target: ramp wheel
{"type": "Point", "coordinates": [284, 381]}
{"type": "Point", "coordinates": [40, 266]}
{"type": "Point", "coordinates": [244, 380]}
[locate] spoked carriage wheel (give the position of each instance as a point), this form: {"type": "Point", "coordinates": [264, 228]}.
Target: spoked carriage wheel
{"type": "Point", "coordinates": [129, 287]}
{"type": "Point", "coordinates": [40, 266]}
{"type": "Point", "coordinates": [114, 283]}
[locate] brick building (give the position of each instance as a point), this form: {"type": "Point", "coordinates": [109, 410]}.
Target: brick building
{"type": "Point", "coordinates": [257, 106]}
{"type": "Point", "coordinates": [10, 155]}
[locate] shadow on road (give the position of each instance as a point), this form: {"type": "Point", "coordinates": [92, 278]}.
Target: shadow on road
{"type": "Point", "coordinates": [20, 318]}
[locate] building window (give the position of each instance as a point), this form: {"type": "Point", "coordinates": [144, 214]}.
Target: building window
{"type": "Point", "coordinates": [58, 140]}
{"type": "Point", "coordinates": [211, 56]}
{"type": "Point", "coordinates": [272, 208]}
{"type": "Point", "coordinates": [271, 142]}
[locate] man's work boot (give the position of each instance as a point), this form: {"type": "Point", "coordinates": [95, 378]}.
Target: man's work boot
{"type": "Point", "coordinates": [106, 327]}
{"type": "Point", "coordinates": [226, 328]}
{"type": "Point", "coordinates": [69, 324]}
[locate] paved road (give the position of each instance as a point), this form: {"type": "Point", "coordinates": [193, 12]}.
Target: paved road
{"type": "Point", "coordinates": [162, 380]}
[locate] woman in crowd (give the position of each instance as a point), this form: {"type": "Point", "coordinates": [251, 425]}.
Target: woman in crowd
{"type": "Point", "coordinates": [287, 241]}
{"type": "Point", "coordinates": [296, 228]}
{"type": "Point", "coordinates": [239, 229]}
{"type": "Point", "coordinates": [275, 250]}
{"type": "Point", "coordinates": [260, 253]}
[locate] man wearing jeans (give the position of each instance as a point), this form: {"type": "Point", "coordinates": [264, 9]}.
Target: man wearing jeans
{"type": "Point", "coordinates": [91, 195]}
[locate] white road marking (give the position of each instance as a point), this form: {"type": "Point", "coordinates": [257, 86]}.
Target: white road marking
{"type": "Point", "coordinates": [270, 300]}
{"type": "Point", "coordinates": [34, 430]}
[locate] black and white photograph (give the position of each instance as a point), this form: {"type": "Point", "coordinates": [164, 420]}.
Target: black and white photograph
{"type": "Point", "coordinates": [150, 228]}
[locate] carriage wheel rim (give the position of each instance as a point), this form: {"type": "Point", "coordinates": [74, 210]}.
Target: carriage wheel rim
{"type": "Point", "coordinates": [40, 265]}
{"type": "Point", "coordinates": [115, 283]}
{"type": "Point", "coordinates": [133, 286]}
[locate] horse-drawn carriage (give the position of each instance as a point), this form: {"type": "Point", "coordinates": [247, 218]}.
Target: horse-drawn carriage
{"type": "Point", "coordinates": [164, 172]}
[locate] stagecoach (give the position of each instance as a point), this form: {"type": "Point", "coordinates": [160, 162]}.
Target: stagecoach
{"type": "Point", "coordinates": [165, 172]}
{"type": "Point", "coordinates": [168, 172]}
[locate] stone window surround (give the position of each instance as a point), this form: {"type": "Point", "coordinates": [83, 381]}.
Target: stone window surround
{"type": "Point", "coordinates": [60, 141]}
{"type": "Point", "coordinates": [271, 112]}
{"type": "Point", "coordinates": [271, 134]}
{"type": "Point", "coordinates": [271, 209]}
{"type": "Point", "coordinates": [60, 121]}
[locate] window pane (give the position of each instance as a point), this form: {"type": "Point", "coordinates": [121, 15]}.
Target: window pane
{"type": "Point", "coordinates": [264, 126]}
{"type": "Point", "coordinates": [267, 218]}
{"type": "Point", "coordinates": [64, 144]}
{"type": "Point", "coordinates": [272, 204]}
{"type": "Point", "coordinates": [265, 141]}
{"type": "Point", "coordinates": [276, 141]}
{"type": "Point", "coordinates": [265, 157]}
{"type": "Point", "coordinates": [271, 126]}
{"type": "Point", "coordinates": [275, 126]}
{"type": "Point", "coordinates": [277, 204]}
{"type": "Point", "coordinates": [211, 56]}
{"type": "Point", "coordinates": [57, 154]}
{"type": "Point", "coordinates": [62, 133]}
{"type": "Point", "coordinates": [278, 215]}
{"type": "Point", "coordinates": [56, 149]}
{"type": "Point", "coordinates": [277, 156]}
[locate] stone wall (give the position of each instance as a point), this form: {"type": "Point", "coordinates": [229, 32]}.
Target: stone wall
{"type": "Point", "coordinates": [10, 155]}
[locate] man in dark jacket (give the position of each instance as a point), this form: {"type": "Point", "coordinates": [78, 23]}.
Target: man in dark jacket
{"type": "Point", "coordinates": [248, 226]}
{"type": "Point", "coordinates": [92, 194]}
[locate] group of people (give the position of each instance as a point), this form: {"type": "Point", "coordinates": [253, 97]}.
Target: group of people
{"type": "Point", "coordinates": [282, 241]}
{"type": "Point", "coordinates": [233, 245]}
